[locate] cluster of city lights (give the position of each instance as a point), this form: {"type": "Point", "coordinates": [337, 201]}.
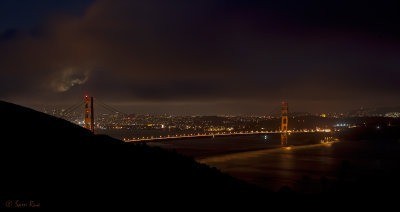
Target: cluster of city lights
{"type": "Point", "coordinates": [342, 125]}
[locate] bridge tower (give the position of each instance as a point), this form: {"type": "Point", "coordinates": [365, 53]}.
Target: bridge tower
{"type": "Point", "coordinates": [89, 115]}
{"type": "Point", "coordinates": [284, 123]}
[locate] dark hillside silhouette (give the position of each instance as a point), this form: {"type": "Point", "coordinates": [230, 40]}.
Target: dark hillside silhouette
{"type": "Point", "coordinates": [47, 157]}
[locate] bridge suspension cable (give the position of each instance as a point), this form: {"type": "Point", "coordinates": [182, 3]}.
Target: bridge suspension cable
{"type": "Point", "coordinates": [98, 102]}
{"type": "Point", "coordinates": [71, 109]}
{"type": "Point", "coordinates": [108, 107]}
{"type": "Point", "coordinates": [276, 111]}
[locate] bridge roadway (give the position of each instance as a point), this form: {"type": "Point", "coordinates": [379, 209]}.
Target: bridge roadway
{"type": "Point", "coordinates": [199, 135]}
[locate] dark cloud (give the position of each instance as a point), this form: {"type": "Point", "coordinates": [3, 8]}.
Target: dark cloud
{"type": "Point", "coordinates": [330, 54]}
{"type": "Point", "coordinates": [25, 14]}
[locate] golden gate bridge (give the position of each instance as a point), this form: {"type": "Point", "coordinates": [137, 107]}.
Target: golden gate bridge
{"type": "Point", "coordinates": [89, 124]}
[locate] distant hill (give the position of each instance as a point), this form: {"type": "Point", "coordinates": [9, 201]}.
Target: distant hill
{"type": "Point", "coordinates": [45, 157]}
{"type": "Point", "coordinates": [373, 111]}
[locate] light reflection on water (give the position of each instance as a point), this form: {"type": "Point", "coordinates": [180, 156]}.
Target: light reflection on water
{"type": "Point", "coordinates": [254, 154]}
{"type": "Point", "coordinates": [274, 168]}
{"type": "Point", "coordinates": [306, 165]}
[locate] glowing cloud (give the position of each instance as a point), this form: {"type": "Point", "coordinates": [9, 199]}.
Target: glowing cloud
{"type": "Point", "coordinates": [69, 78]}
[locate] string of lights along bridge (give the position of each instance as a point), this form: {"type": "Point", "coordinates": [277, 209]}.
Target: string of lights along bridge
{"type": "Point", "coordinates": [283, 129]}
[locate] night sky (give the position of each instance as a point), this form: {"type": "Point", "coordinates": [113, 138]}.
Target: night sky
{"type": "Point", "coordinates": [201, 56]}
